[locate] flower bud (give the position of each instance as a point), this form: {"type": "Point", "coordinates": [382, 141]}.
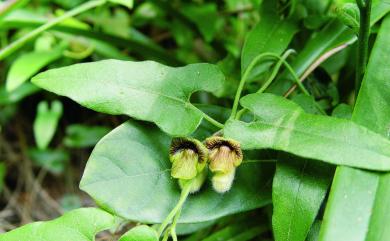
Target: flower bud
{"type": "Point", "coordinates": [188, 157]}
{"type": "Point", "coordinates": [224, 156]}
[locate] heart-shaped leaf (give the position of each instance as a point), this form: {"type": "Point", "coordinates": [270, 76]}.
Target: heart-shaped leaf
{"type": "Point", "coordinates": [128, 174]}
{"type": "Point", "coordinates": [283, 125]}
{"type": "Point", "coordinates": [78, 225]}
{"type": "Point", "coordinates": [144, 90]}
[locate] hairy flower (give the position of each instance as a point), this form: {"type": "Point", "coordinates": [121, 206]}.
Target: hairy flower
{"type": "Point", "coordinates": [188, 157]}
{"type": "Point", "coordinates": [224, 156]}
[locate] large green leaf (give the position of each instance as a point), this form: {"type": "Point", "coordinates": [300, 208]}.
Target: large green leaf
{"type": "Point", "coordinates": [271, 34]}
{"type": "Point", "coordinates": [128, 174]}
{"type": "Point", "coordinates": [78, 225]}
{"type": "Point", "coordinates": [144, 90]}
{"type": "Point", "coordinates": [29, 64]}
{"type": "Point", "coordinates": [358, 204]}
{"type": "Point", "coordinates": [283, 125]}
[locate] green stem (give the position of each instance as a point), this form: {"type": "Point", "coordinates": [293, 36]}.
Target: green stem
{"type": "Point", "coordinates": [173, 227]}
{"type": "Point", "coordinates": [166, 235]}
{"type": "Point", "coordinates": [364, 34]}
{"type": "Point", "coordinates": [31, 35]}
{"type": "Point", "coordinates": [183, 197]}
{"type": "Point", "coordinates": [245, 76]}
{"type": "Point", "coordinates": [282, 60]}
{"type": "Point", "coordinates": [213, 121]}
{"type": "Point", "coordinates": [275, 70]}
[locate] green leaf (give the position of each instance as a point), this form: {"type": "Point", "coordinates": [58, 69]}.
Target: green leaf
{"type": "Point", "coordinates": [46, 121]}
{"type": "Point", "coordinates": [140, 233]}
{"type": "Point", "coordinates": [29, 64]}
{"type": "Point", "coordinates": [282, 125]}
{"type": "Point", "coordinates": [78, 225]}
{"type": "Point", "coordinates": [143, 90]}
{"type": "Point", "coordinates": [80, 136]}
{"type": "Point", "coordinates": [358, 203]}
{"type": "Point", "coordinates": [127, 3]}
{"type": "Point", "coordinates": [271, 34]}
{"type": "Point", "coordinates": [128, 174]}
{"type": "Point", "coordinates": [299, 187]}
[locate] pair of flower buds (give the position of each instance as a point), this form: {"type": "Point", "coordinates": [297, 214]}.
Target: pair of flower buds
{"type": "Point", "coordinates": [190, 157]}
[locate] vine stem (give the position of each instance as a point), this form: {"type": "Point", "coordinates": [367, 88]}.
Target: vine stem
{"type": "Point", "coordinates": [183, 197]}
{"type": "Point", "coordinates": [275, 70]}
{"type": "Point", "coordinates": [31, 35]}
{"type": "Point", "coordinates": [282, 60]}
{"type": "Point", "coordinates": [364, 34]}
{"type": "Point", "coordinates": [213, 121]}
{"type": "Point", "coordinates": [173, 227]}
{"type": "Point", "coordinates": [243, 80]}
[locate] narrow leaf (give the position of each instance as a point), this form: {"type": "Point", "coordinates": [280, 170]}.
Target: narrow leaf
{"type": "Point", "coordinates": [282, 125]}
{"type": "Point", "coordinates": [299, 188]}
{"type": "Point", "coordinates": [143, 90]}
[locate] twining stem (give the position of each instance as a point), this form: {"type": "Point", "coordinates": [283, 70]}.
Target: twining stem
{"type": "Point", "coordinates": [275, 70]}
{"type": "Point", "coordinates": [282, 60]}
{"type": "Point", "coordinates": [183, 197]}
{"type": "Point", "coordinates": [173, 226]}
{"type": "Point", "coordinates": [31, 35]}
{"type": "Point", "coordinates": [166, 235]}
{"type": "Point", "coordinates": [257, 59]}
{"type": "Point", "coordinates": [364, 34]}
